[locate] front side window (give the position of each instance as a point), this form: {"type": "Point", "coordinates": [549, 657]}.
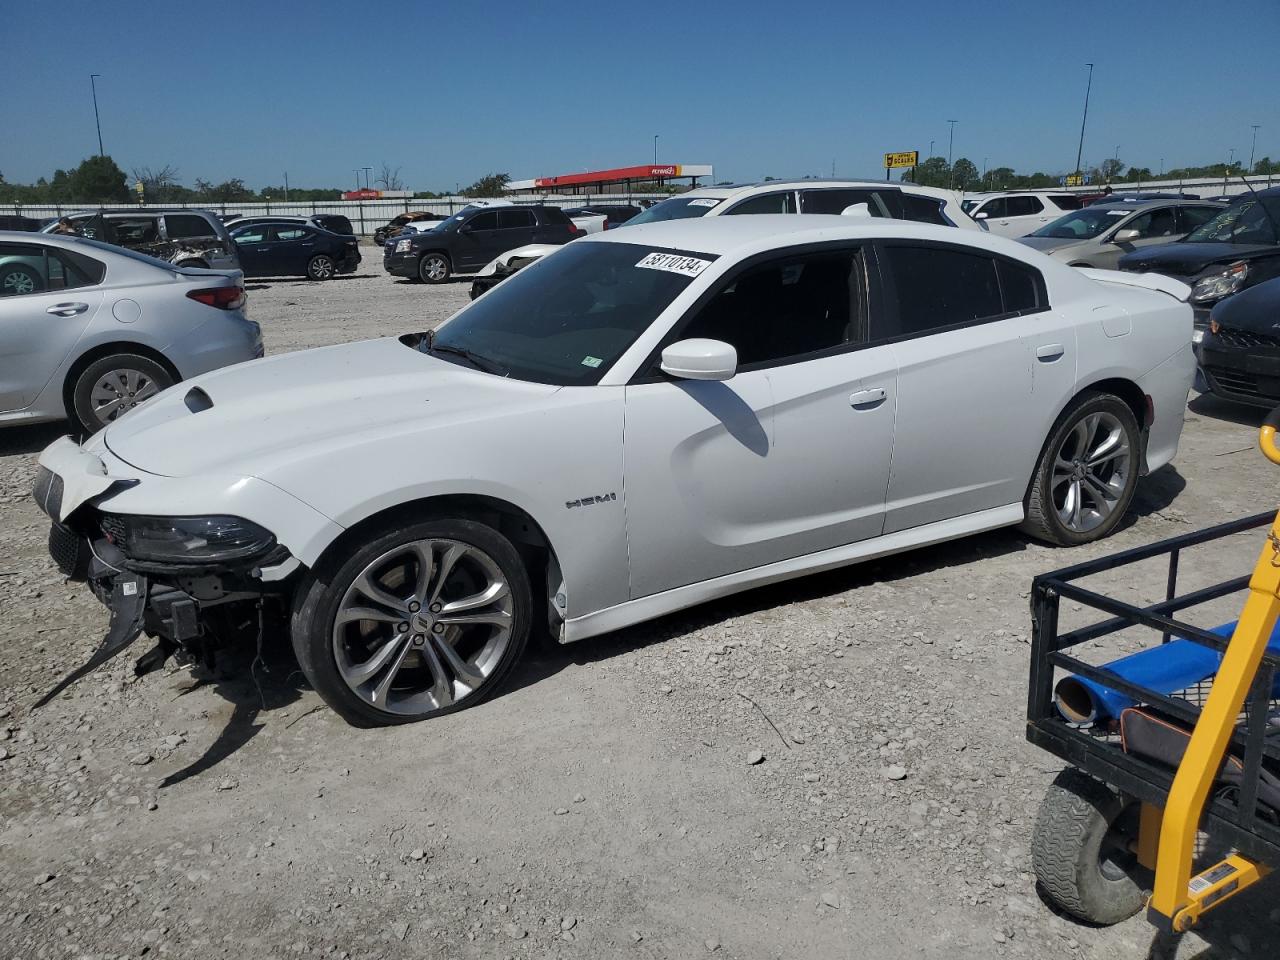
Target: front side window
{"type": "Point", "coordinates": [1083, 224]}
{"type": "Point", "coordinates": [483, 221]}
{"type": "Point", "coordinates": [787, 309]}
{"type": "Point", "coordinates": [1154, 223]}
{"type": "Point", "coordinates": [939, 287]}
{"type": "Point", "coordinates": [993, 208]}
{"type": "Point", "coordinates": [768, 203]}
{"type": "Point", "coordinates": [181, 225]}
{"type": "Point", "coordinates": [1067, 201]}
{"type": "Point", "coordinates": [567, 319]}
{"type": "Point", "coordinates": [250, 235]}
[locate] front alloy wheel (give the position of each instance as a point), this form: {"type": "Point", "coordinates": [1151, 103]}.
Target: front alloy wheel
{"type": "Point", "coordinates": [433, 268]}
{"type": "Point", "coordinates": [421, 621]}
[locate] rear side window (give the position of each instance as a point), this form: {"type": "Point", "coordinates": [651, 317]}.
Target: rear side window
{"type": "Point", "coordinates": [180, 225]}
{"type": "Point", "coordinates": [1067, 201]}
{"type": "Point", "coordinates": [939, 287]}
{"type": "Point", "coordinates": [1022, 206]}
{"type": "Point", "coordinates": [923, 209]}
{"type": "Point", "coordinates": [554, 215]}
{"type": "Point", "coordinates": [1021, 287]}
{"type": "Point", "coordinates": [879, 204]}
{"type": "Point", "coordinates": [768, 203]}
{"type": "Point", "coordinates": [30, 268]}
{"type": "Point", "coordinates": [510, 219]}
{"type": "Point", "coordinates": [290, 233]}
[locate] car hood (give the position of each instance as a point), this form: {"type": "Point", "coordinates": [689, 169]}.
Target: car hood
{"type": "Point", "coordinates": [1189, 259]}
{"type": "Point", "coordinates": [248, 418]}
{"type": "Point", "coordinates": [1256, 309]}
{"type": "Point", "coordinates": [1050, 244]}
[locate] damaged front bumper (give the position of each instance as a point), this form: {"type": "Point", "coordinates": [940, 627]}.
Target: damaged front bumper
{"type": "Point", "coordinates": [191, 609]}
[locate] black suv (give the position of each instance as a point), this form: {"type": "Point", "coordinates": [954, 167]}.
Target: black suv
{"type": "Point", "coordinates": [1240, 353]}
{"type": "Point", "coordinates": [470, 239]}
{"type": "Point", "coordinates": [1237, 249]}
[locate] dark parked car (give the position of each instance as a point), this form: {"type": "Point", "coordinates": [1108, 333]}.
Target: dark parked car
{"type": "Point", "coordinates": [470, 239]}
{"type": "Point", "coordinates": [333, 222]}
{"type": "Point", "coordinates": [1240, 353]}
{"type": "Point", "coordinates": [398, 223]}
{"type": "Point", "coordinates": [294, 250]}
{"type": "Point", "coordinates": [1237, 249]}
{"type": "Point", "coordinates": [12, 222]}
{"type": "Point", "coordinates": [615, 215]}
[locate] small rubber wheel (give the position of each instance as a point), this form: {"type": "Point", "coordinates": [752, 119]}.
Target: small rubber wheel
{"type": "Point", "coordinates": [420, 620]}
{"type": "Point", "coordinates": [321, 267]}
{"type": "Point", "coordinates": [19, 279]}
{"type": "Point", "coordinates": [111, 386]}
{"type": "Point", "coordinates": [1087, 474]}
{"type": "Point", "coordinates": [1080, 850]}
{"type": "Point", "coordinates": [434, 268]}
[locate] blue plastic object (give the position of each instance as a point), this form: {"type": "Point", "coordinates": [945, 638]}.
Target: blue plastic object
{"type": "Point", "coordinates": [1168, 668]}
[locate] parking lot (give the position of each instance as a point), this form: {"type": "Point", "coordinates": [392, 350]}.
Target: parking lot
{"type": "Point", "coordinates": [834, 766]}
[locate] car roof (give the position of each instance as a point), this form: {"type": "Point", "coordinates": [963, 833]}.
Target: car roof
{"type": "Point", "coordinates": [742, 189]}
{"type": "Point", "coordinates": [1134, 205]}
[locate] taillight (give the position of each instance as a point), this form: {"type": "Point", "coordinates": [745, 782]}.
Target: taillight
{"type": "Point", "coordinates": [224, 298]}
{"type": "Point", "coordinates": [573, 229]}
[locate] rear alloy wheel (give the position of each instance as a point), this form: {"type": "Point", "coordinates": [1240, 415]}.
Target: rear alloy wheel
{"type": "Point", "coordinates": [112, 386]}
{"type": "Point", "coordinates": [1087, 473]}
{"type": "Point", "coordinates": [19, 280]}
{"type": "Point", "coordinates": [321, 267]}
{"type": "Point", "coordinates": [434, 268]}
{"type": "Point", "coordinates": [424, 619]}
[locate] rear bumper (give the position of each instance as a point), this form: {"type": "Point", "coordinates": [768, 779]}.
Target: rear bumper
{"type": "Point", "coordinates": [1245, 376]}
{"type": "Point", "coordinates": [350, 262]}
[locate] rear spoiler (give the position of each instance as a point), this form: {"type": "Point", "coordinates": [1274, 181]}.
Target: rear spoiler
{"type": "Point", "coordinates": [1147, 281]}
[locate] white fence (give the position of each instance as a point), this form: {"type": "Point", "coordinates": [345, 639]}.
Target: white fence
{"type": "Point", "coordinates": [365, 215]}
{"type": "Point", "coordinates": [1206, 187]}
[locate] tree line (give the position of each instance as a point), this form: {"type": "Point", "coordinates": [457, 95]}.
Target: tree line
{"type": "Point", "coordinates": [964, 174]}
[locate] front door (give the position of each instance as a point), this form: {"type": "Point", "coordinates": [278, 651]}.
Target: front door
{"type": "Point", "coordinates": [1154, 227]}
{"type": "Point", "coordinates": [476, 241]}
{"type": "Point", "coordinates": [47, 299]}
{"type": "Point", "coordinates": [790, 456]}
{"type": "Point", "coordinates": [253, 247]}
{"type": "Point", "coordinates": [970, 417]}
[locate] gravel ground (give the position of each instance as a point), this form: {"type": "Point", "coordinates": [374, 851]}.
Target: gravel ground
{"type": "Point", "coordinates": [626, 796]}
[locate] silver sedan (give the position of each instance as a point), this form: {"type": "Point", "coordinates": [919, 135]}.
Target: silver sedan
{"type": "Point", "coordinates": [1100, 234]}
{"type": "Point", "coordinates": [88, 331]}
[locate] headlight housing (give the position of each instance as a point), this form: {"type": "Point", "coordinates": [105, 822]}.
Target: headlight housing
{"type": "Point", "coordinates": [1220, 284]}
{"type": "Point", "coordinates": [402, 246]}
{"type": "Point", "coordinates": [211, 539]}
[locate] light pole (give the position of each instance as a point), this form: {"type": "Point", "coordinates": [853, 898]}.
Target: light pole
{"type": "Point", "coordinates": [930, 153]}
{"type": "Point", "coordinates": [1088, 88]}
{"type": "Point", "coordinates": [951, 143]}
{"type": "Point", "coordinates": [96, 122]}
{"type": "Point", "coordinates": [357, 178]}
{"type": "Point", "coordinates": [985, 185]}
{"type": "Point", "coordinates": [366, 176]}
{"type": "Point", "coordinates": [655, 149]}
{"type": "Point", "coordinates": [1253, 149]}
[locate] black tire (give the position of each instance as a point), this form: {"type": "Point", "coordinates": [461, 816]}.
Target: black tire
{"type": "Point", "coordinates": [19, 279]}
{"type": "Point", "coordinates": [320, 595]}
{"type": "Point", "coordinates": [127, 367]}
{"type": "Point", "coordinates": [321, 267]}
{"type": "Point", "coordinates": [434, 267]}
{"type": "Point", "coordinates": [1043, 520]}
{"type": "Point", "coordinates": [1075, 850]}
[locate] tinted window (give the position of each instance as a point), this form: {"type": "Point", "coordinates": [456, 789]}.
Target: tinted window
{"type": "Point", "coordinates": [27, 269]}
{"type": "Point", "coordinates": [566, 320]}
{"type": "Point", "coordinates": [291, 233]}
{"type": "Point", "coordinates": [1022, 206]}
{"type": "Point", "coordinates": [1191, 217]}
{"type": "Point", "coordinates": [484, 221]}
{"type": "Point", "coordinates": [1154, 223]}
{"type": "Point", "coordinates": [923, 209]}
{"type": "Point", "coordinates": [1067, 201]}
{"type": "Point", "coordinates": [787, 308]}
{"type": "Point", "coordinates": [181, 225]}
{"type": "Point", "coordinates": [1021, 287]}
{"type": "Point", "coordinates": [510, 219]}
{"type": "Point", "coordinates": [993, 208]}
{"type": "Point", "coordinates": [554, 215]}
{"type": "Point", "coordinates": [836, 201]}
{"type": "Point", "coordinates": [939, 287]}
{"type": "Point", "coordinates": [768, 203]}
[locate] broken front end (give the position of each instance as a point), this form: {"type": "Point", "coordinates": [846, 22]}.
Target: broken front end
{"type": "Point", "coordinates": [193, 583]}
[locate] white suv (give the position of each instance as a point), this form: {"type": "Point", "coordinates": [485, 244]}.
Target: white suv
{"type": "Point", "coordinates": [1017, 214]}
{"type": "Point", "coordinates": [873, 198]}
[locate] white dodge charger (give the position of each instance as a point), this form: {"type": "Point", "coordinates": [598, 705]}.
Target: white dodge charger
{"type": "Point", "coordinates": [645, 420]}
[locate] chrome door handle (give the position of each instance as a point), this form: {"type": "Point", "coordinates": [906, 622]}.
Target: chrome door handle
{"type": "Point", "coordinates": [868, 399]}
{"type": "Point", "coordinates": [1049, 352]}
{"type": "Point", "coordinates": [67, 309]}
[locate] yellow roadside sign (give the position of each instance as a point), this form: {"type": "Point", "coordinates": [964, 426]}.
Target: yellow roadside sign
{"type": "Point", "coordinates": [906, 158]}
{"type": "Point", "coordinates": [1075, 180]}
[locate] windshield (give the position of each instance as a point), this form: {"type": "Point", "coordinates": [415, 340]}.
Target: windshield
{"type": "Point", "coordinates": [1082, 224]}
{"type": "Point", "coordinates": [1242, 222]}
{"type": "Point", "coordinates": [568, 318]}
{"type": "Point", "coordinates": [677, 208]}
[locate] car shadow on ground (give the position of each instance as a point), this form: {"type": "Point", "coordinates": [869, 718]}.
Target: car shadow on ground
{"type": "Point", "coordinates": [1207, 405]}
{"type": "Point", "coordinates": [265, 283]}
{"type": "Point", "coordinates": [32, 438]}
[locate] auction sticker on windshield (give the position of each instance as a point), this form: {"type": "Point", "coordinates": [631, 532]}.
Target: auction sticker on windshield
{"type": "Point", "coordinates": [704, 202]}
{"type": "Point", "coordinates": [674, 263]}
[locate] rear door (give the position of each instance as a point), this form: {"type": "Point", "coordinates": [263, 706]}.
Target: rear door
{"type": "Point", "coordinates": [967, 422]}
{"type": "Point", "coordinates": [516, 228]}
{"type": "Point", "coordinates": [292, 247]}
{"type": "Point", "coordinates": [48, 297]}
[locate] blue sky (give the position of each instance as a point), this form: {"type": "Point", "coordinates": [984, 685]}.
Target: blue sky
{"type": "Point", "coordinates": [450, 91]}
